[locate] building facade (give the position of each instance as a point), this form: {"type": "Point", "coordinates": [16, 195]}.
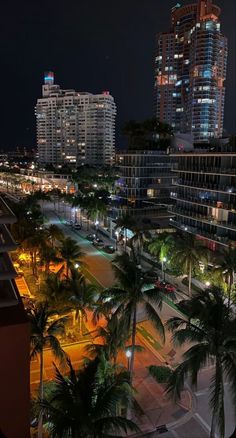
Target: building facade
{"type": "Point", "coordinates": [190, 71]}
{"type": "Point", "coordinates": [14, 342]}
{"type": "Point", "coordinates": [74, 127]}
{"type": "Point", "coordinates": [145, 184]}
{"type": "Point", "coordinates": [204, 196]}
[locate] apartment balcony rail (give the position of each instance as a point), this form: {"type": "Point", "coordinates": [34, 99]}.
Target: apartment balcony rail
{"type": "Point", "coordinates": [199, 232]}
{"type": "Point", "coordinates": [205, 202]}
{"type": "Point", "coordinates": [226, 150]}
{"type": "Point", "coordinates": [206, 186]}
{"type": "Point", "coordinates": [8, 296]}
{"type": "Point", "coordinates": [7, 271]}
{"type": "Point", "coordinates": [6, 241]}
{"type": "Point", "coordinates": [203, 218]}
{"type": "Point", "coordinates": [209, 170]}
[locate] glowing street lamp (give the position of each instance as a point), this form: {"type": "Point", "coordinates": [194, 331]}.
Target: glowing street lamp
{"type": "Point", "coordinates": [207, 284]}
{"type": "Point", "coordinates": [128, 354]}
{"type": "Point", "coordinates": [164, 260]}
{"type": "Point", "coordinates": [117, 235]}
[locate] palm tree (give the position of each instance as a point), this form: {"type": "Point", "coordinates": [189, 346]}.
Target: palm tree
{"type": "Point", "coordinates": [133, 290]}
{"type": "Point", "coordinates": [54, 233]}
{"type": "Point", "coordinates": [87, 404]}
{"type": "Point", "coordinates": [227, 268]}
{"type": "Point", "coordinates": [188, 252]}
{"type": "Point", "coordinates": [70, 253]}
{"type": "Point", "coordinates": [113, 338]}
{"type": "Point", "coordinates": [82, 296]}
{"type": "Point", "coordinates": [137, 242]}
{"type": "Point", "coordinates": [55, 293]}
{"type": "Point", "coordinates": [126, 223]}
{"type": "Point", "coordinates": [211, 332]}
{"type": "Point", "coordinates": [44, 334]}
{"type": "Point", "coordinates": [161, 245]}
{"type": "Point", "coordinates": [48, 255]}
{"type": "Point", "coordinates": [33, 244]}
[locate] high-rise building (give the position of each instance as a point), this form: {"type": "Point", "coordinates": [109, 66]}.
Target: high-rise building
{"type": "Point", "coordinates": [204, 194]}
{"type": "Point", "coordinates": [75, 127]}
{"type": "Point", "coordinates": [190, 71]}
{"type": "Point", "coordinates": [14, 342]}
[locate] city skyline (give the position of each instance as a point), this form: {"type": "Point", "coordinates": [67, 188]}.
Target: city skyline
{"type": "Point", "coordinates": [118, 55]}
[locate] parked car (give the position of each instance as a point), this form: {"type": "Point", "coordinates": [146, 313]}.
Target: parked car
{"type": "Point", "coordinates": [91, 237]}
{"type": "Point", "coordinates": [167, 287]}
{"type": "Point", "coordinates": [109, 249]}
{"type": "Point", "coordinates": [77, 226]}
{"type": "Point", "coordinates": [98, 243]}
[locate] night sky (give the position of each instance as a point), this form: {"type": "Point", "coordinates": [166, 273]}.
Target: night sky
{"type": "Point", "coordinates": [91, 45]}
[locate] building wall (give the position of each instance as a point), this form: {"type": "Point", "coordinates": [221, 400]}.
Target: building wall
{"type": "Point", "coordinates": [205, 195]}
{"type": "Point", "coordinates": [190, 71]}
{"type": "Point", "coordinates": [14, 381]}
{"type": "Point", "coordinates": [75, 127]}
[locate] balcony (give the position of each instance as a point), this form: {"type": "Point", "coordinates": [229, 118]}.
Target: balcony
{"type": "Point", "coordinates": [205, 202]}
{"type": "Point", "coordinates": [202, 218]}
{"type": "Point", "coordinates": [207, 171]}
{"type": "Point", "coordinates": [8, 295]}
{"type": "Point", "coordinates": [207, 187]}
{"type": "Point", "coordinates": [225, 241]}
{"type": "Point", "coordinates": [6, 215]}
{"type": "Point", "coordinates": [6, 241]}
{"type": "Point", "coordinates": [7, 271]}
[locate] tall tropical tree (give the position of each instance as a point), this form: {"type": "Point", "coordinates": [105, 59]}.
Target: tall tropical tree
{"type": "Point", "coordinates": [188, 252]}
{"type": "Point", "coordinates": [54, 233]}
{"type": "Point", "coordinates": [125, 223]}
{"type": "Point", "coordinates": [48, 255]}
{"type": "Point", "coordinates": [44, 334]}
{"type": "Point", "coordinates": [161, 245]}
{"type": "Point", "coordinates": [211, 332]}
{"type": "Point", "coordinates": [227, 268]}
{"type": "Point", "coordinates": [87, 404]}
{"type": "Point", "coordinates": [70, 253]}
{"type": "Point", "coordinates": [132, 291]}
{"type": "Point", "coordinates": [82, 296]}
{"type": "Point", "coordinates": [55, 293]}
{"type": "Point", "coordinates": [110, 339]}
{"type": "Point", "coordinates": [33, 244]}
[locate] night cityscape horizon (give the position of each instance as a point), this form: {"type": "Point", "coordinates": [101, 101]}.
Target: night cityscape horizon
{"type": "Point", "coordinates": [118, 220]}
{"type": "Point", "coordinates": [117, 55]}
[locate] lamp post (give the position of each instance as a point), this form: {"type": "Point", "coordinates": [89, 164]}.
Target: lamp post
{"type": "Point", "coordinates": [207, 284]}
{"type": "Point", "coordinates": [128, 354]}
{"type": "Point", "coordinates": [164, 260]}
{"type": "Point", "coordinates": [96, 225]}
{"type": "Point", "coordinates": [117, 235]}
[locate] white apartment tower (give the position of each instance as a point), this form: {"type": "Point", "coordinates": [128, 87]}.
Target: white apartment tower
{"type": "Point", "coordinates": [75, 127]}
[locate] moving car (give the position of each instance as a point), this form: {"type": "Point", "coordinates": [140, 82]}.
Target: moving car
{"type": "Point", "coordinates": [167, 287]}
{"type": "Point", "coordinates": [109, 249]}
{"type": "Point", "coordinates": [98, 243]}
{"type": "Point", "coordinates": [91, 237]}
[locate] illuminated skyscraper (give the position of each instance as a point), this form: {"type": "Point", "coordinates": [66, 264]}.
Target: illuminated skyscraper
{"type": "Point", "coordinates": [190, 70]}
{"type": "Point", "coordinates": [75, 127]}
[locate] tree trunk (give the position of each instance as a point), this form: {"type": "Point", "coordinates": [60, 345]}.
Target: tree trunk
{"type": "Point", "coordinates": [80, 322]}
{"type": "Point", "coordinates": [125, 239]}
{"type": "Point", "coordinates": [131, 367]}
{"type": "Point", "coordinates": [40, 423]}
{"type": "Point", "coordinates": [213, 426]}
{"type": "Point", "coordinates": [190, 279]}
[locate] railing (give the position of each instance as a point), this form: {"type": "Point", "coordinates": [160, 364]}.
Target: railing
{"type": "Point", "coordinates": [198, 231]}
{"type": "Point", "coordinates": [210, 186]}
{"type": "Point", "coordinates": [205, 202]}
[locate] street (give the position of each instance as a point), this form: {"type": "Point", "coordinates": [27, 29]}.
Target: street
{"type": "Point", "coordinates": [193, 423]}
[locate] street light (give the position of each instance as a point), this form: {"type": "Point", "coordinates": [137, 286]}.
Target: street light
{"type": "Point", "coordinates": [76, 265]}
{"type": "Point", "coordinates": [164, 260]}
{"type": "Point", "coordinates": [207, 284]}
{"type": "Point", "coordinates": [117, 234]}
{"type": "Point", "coordinates": [128, 354]}
{"type": "Point", "coordinates": [96, 225]}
